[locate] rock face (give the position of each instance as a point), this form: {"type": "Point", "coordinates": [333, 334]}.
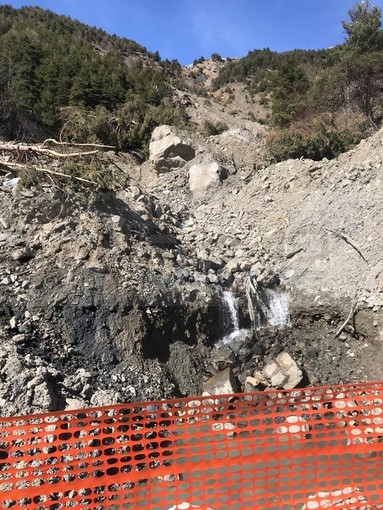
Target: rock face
{"type": "Point", "coordinates": [205, 175]}
{"type": "Point", "coordinates": [169, 150]}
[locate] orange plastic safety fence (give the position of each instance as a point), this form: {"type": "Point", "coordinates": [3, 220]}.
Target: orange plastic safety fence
{"type": "Point", "coordinates": [301, 449]}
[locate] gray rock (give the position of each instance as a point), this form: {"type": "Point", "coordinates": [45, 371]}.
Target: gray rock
{"type": "Point", "coordinates": [233, 265]}
{"type": "Point", "coordinates": [168, 150]}
{"type": "Point", "coordinates": [118, 221]}
{"type": "Point", "coordinates": [222, 383]}
{"type": "Point", "coordinates": [22, 254]}
{"type": "Point", "coordinates": [212, 278]}
{"type": "Point", "coordinates": [283, 372]}
{"type": "Point", "coordinates": [105, 398]}
{"type": "Point", "coordinates": [216, 262]}
{"type": "Point", "coordinates": [205, 175]}
{"type": "Point", "coordinates": [223, 358]}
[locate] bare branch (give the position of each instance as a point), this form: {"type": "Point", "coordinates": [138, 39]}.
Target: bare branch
{"type": "Point", "coordinates": [349, 241]}
{"type": "Point", "coordinates": [36, 149]}
{"type": "Point", "coordinates": [19, 166]}
{"type": "Point", "coordinates": [354, 307]}
{"type": "Point", "coordinates": [72, 144]}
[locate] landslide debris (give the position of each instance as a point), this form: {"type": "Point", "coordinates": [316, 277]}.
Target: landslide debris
{"type": "Point", "coordinates": [117, 296]}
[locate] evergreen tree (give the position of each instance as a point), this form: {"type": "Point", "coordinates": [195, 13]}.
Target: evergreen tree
{"type": "Point", "coordinates": [364, 30]}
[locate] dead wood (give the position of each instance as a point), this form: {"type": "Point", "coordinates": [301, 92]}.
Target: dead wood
{"type": "Point", "coordinates": [21, 167]}
{"type": "Point", "coordinates": [354, 308]}
{"type": "Point", "coordinates": [349, 241]}
{"type": "Point", "coordinates": [72, 144]}
{"type": "Point", "coordinates": [37, 149]}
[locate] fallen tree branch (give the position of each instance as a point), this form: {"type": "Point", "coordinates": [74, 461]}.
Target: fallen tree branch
{"type": "Point", "coordinates": [72, 144]}
{"type": "Point", "coordinates": [349, 241]}
{"type": "Point", "coordinates": [354, 307]}
{"type": "Point", "coordinates": [36, 149]}
{"type": "Point", "coordinates": [60, 174]}
{"type": "Point", "coordinates": [19, 166]}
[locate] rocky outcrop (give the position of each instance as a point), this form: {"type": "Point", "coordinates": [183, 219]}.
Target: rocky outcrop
{"type": "Point", "coordinates": [169, 149]}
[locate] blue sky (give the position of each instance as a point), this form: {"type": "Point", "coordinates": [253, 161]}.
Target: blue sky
{"type": "Point", "coordinates": [187, 29]}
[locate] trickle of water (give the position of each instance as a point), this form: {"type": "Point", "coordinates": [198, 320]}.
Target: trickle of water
{"type": "Point", "coordinates": [232, 321]}
{"type": "Point", "coordinates": [231, 305]}
{"type": "Point", "coordinates": [277, 308]}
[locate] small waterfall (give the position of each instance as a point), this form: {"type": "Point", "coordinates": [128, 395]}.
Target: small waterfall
{"type": "Point", "coordinates": [278, 309]}
{"type": "Point", "coordinates": [274, 306]}
{"type": "Point", "coordinates": [231, 321]}
{"type": "Point", "coordinates": [233, 309]}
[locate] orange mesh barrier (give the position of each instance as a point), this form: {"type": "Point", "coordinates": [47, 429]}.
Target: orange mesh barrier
{"type": "Point", "coordinates": [300, 449]}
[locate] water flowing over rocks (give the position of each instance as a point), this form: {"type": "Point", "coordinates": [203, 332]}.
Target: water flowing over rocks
{"type": "Point", "coordinates": [273, 278]}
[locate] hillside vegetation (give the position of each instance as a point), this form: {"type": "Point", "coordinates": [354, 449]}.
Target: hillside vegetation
{"type": "Point", "coordinates": [59, 76]}
{"type": "Point", "coordinates": [322, 102]}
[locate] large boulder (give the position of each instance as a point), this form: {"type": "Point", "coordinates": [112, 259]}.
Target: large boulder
{"type": "Point", "coordinates": [205, 175]}
{"type": "Point", "coordinates": [169, 149]}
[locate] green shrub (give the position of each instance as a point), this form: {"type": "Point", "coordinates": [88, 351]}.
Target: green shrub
{"type": "Point", "coordinates": [322, 137]}
{"type": "Point", "coordinates": [211, 129]}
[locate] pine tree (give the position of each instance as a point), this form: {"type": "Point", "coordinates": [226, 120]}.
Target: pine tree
{"type": "Point", "coordinates": [364, 30]}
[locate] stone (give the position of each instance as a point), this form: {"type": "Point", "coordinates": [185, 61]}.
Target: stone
{"type": "Point", "coordinates": [105, 398]}
{"type": "Point", "coordinates": [204, 176]}
{"type": "Point", "coordinates": [233, 266]}
{"type": "Point", "coordinates": [212, 278]}
{"type": "Point", "coordinates": [253, 383]}
{"type": "Point", "coordinates": [258, 349]}
{"type": "Point", "coordinates": [168, 150]}
{"type": "Point", "coordinates": [22, 254]}
{"type": "Point", "coordinates": [216, 262]}
{"type": "Point", "coordinates": [74, 403]}
{"type": "Point", "coordinates": [283, 372]}
{"type": "Point", "coordinates": [233, 243]}
{"type": "Point", "coordinates": [13, 323]}
{"type": "Point", "coordinates": [157, 210]}
{"type": "Point", "coordinates": [222, 383]}
{"type": "Point", "coordinates": [312, 353]}
{"type": "Point", "coordinates": [19, 339]}
{"type": "Point", "coordinates": [245, 266]}
{"type": "Point", "coordinates": [223, 358]}
{"type": "Point", "coordinates": [117, 221]}
{"type": "Point", "coordinates": [222, 240]}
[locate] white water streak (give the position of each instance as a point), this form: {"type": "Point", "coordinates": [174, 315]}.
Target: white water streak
{"type": "Point", "coordinates": [233, 309]}
{"type": "Point", "coordinates": [278, 308]}
{"type": "Point", "coordinates": [236, 333]}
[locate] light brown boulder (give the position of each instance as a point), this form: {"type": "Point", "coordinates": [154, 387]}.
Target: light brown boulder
{"type": "Point", "coordinates": [169, 150]}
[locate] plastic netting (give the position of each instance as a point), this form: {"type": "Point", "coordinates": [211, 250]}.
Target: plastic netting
{"type": "Point", "coordinates": [300, 449]}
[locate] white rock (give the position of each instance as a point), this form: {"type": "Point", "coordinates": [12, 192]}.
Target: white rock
{"type": "Point", "coordinates": [283, 372]}
{"type": "Point", "coordinates": [222, 383]}
{"type": "Point", "coordinates": [203, 176]}
{"type": "Point", "coordinates": [168, 150]}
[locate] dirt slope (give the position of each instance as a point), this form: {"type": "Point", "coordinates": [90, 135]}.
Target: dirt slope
{"type": "Point", "coordinates": [119, 297]}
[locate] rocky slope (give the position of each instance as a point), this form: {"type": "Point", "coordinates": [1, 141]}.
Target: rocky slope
{"type": "Point", "coordinates": [119, 297]}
